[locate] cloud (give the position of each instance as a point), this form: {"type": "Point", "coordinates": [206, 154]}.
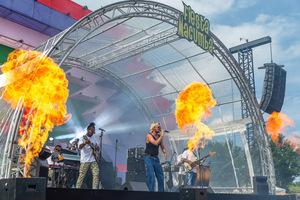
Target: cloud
{"type": "Point", "coordinates": [245, 3]}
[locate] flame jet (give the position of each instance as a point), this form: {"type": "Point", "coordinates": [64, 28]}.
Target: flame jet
{"type": "Point", "coordinates": [42, 85]}
{"type": "Point", "coordinates": [193, 105]}
{"type": "Point", "coordinates": [277, 124]}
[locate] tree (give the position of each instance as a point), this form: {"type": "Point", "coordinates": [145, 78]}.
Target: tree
{"type": "Point", "coordinates": [286, 163]}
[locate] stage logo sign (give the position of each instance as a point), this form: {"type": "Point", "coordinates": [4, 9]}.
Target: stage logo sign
{"type": "Point", "coordinates": [195, 27]}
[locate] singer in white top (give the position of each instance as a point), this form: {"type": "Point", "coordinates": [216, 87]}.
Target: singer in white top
{"type": "Point", "coordinates": [89, 147]}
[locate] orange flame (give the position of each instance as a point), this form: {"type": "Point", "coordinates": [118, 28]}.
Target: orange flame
{"type": "Point", "coordinates": [277, 124]}
{"type": "Point", "coordinates": [42, 85]}
{"type": "Point", "coordinates": [192, 105]}
{"type": "Point", "coordinates": [294, 142]}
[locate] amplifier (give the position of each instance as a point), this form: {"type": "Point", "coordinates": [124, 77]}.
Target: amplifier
{"type": "Point", "coordinates": [137, 152]}
{"type": "Point", "coordinates": [138, 176]}
{"type": "Point", "coordinates": [135, 164]}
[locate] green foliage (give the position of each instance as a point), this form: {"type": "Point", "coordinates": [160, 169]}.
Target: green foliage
{"type": "Point", "coordinates": [222, 174]}
{"type": "Point", "coordinates": [286, 163]}
{"type": "Point", "coordinates": [294, 188]}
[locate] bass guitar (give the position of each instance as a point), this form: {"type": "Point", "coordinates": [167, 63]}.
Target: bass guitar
{"type": "Point", "coordinates": [93, 149]}
{"type": "Point", "coordinates": [195, 162]}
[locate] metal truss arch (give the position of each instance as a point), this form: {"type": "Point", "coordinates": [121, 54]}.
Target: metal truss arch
{"type": "Point", "coordinates": [60, 47]}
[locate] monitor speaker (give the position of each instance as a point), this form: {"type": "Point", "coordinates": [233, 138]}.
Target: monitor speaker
{"type": "Point", "coordinates": [134, 186]}
{"type": "Point", "coordinates": [193, 193]}
{"type": "Point", "coordinates": [23, 188]}
{"type": "Point", "coordinates": [273, 88]}
{"type": "Point", "coordinates": [260, 185]}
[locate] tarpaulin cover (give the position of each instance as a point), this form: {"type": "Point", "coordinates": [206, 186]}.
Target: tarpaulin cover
{"type": "Point", "coordinates": [66, 6]}
{"type": "Point", "coordinates": [35, 15]}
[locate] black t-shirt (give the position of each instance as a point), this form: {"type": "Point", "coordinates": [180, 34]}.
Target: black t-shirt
{"type": "Point", "coordinates": [151, 148]}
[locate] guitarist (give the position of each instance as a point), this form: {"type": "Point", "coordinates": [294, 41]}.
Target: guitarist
{"type": "Point", "coordinates": [89, 146]}
{"type": "Point", "coordinates": [191, 176]}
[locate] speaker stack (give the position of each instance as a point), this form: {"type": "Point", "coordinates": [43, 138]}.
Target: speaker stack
{"type": "Point", "coordinates": [135, 165]}
{"type": "Point", "coordinates": [273, 89]}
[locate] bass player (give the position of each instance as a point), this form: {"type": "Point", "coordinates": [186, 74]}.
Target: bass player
{"type": "Point", "coordinates": [89, 147]}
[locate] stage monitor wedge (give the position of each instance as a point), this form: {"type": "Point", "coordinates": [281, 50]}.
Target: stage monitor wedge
{"type": "Point", "coordinates": [273, 92]}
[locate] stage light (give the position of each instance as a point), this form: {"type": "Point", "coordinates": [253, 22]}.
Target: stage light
{"type": "Point", "coordinates": [69, 73]}
{"type": "Point", "coordinates": [85, 7]}
{"type": "Point", "coordinates": [83, 78]}
{"type": "Point", "coordinates": [96, 97]}
{"type": "Point", "coordinates": [68, 13]}
{"type": "Point", "coordinates": [51, 139]}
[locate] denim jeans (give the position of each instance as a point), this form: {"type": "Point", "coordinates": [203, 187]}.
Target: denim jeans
{"type": "Point", "coordinates": [152, 165]}
{"type": "Point", "coordinates": [190, 178]}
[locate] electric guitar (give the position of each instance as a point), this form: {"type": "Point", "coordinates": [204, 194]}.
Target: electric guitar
{"type": "Point", "coordinates": [93, 149]}
{"type": "Point", "coordinates": [195, 162]}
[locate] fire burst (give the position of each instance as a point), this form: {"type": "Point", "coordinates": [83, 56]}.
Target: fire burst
{"type": "Point", "coordinates": [192, 105]}
{"type": "Point", "coordinates": [277, 124]}
{"type": "Point", "coordinates": [35, 78]}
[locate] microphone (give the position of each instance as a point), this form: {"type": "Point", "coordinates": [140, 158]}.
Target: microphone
{"type": "Point", "coordinates": [101, 129]}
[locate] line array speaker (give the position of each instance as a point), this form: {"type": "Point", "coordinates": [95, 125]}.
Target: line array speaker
{"type": "Point", "coordinates": [273, 88]}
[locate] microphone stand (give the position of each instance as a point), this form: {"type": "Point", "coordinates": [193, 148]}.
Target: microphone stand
{"type": "Point", "coordinates": [102, 131]}
{"type": "Point", "coordinates": [201, 170]}
{"type": "Point", "coordinates": [115, 164]}
{"type": "Point", "coordinates": [100, 154]}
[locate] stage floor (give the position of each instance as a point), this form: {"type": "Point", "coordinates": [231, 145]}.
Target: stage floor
{"type": "Point", "coordinates": [189, 194]}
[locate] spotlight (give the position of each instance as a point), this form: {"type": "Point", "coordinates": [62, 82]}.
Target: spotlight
{"type": "Point", "coordinates": [21, 40]}
{"type": "Point", "coordinates": [83, 78]}
{"type": "Point", "coordinates": [68, 13]}
{"type": "Point", "coordinates": [85, 7]}
{"type": "Point", "coordinates": [50, 141]}
{"type": "Point", "coordinates": [69, 73]}
{"type": "Point", "coordinates": [97, 97]}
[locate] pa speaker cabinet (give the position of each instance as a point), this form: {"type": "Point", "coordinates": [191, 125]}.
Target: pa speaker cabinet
{"type": "Point", "coordinates": [134, 186]}
{"type": "Point", "coordinates": [23, 189]}
{"type": "Point", "coordinates": [273, 88]}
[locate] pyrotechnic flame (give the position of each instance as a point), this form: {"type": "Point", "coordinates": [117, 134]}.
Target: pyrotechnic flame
{"type": "Point", "coordinates": [294, 142]}
{"type": "Point", "coordinates": [42, 85]}
{"type": "Point", "coordinates": [193, 105]}
{"type": "Point", "coordinates": [277, 124]}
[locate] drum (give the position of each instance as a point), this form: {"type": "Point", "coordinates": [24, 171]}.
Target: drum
{"type": "Point", "coordinates": [203, 176]}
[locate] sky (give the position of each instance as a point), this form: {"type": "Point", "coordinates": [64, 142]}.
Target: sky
{"type": "Point", "coordinates": [232, 20]}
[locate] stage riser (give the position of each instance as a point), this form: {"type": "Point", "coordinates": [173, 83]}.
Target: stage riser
{"type": "Point", "coordinates": [249, 197]}
{"type": "Point", "coordinates": [89, 194]}
{"type": "Point", "coordinates": [84, 194]}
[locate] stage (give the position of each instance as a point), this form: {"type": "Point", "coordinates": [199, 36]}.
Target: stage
{"type": "Point", "coordinates": [35, 189]}
{"type": "Point", "coordinates": [190, 194]}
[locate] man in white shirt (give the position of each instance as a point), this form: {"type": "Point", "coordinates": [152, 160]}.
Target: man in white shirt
{"type": "Point", "coordinates": [89, 148]}
{"type": "Point", "coordinates": [181, 173]}
{"type": "Point", "coordinates": [191, 176]}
